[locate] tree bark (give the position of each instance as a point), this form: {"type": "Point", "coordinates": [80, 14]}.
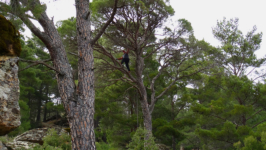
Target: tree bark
{"type": "Point", "coordinates": [78, 102]}
{"type": "Point", "coordinates": [143, 97]}
{"type": "Point", "coordinates": [86, 95]}
{"type": "Point", "coordinates": [79, 110]}
{"type": "Point", "coordinates": [173, 143]}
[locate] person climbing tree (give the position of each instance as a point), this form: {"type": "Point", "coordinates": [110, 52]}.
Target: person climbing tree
{"type": "Point", "coordinates": [125, 59]}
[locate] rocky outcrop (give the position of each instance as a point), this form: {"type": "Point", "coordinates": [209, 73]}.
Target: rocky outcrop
{"type": "Point", "coordinates": [9, 39]}
{"type": "Point", "coordinates": [9, 94]}
{"type": "Point", "coordinates": [163, 147]}
{"type": "Point", "coordinates": [2, 146]}
{"type": "Point", "coordinates": [10, 49]}
{"type": "Point", "coordinates": [31, 138]}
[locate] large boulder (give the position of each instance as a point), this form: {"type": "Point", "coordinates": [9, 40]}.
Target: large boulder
{"type": "Point", "coordinates": [31, 138]}
{"type": "Point", "coordinates": [10, 49]}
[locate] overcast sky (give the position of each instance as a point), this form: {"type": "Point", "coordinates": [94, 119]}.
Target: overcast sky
{"type": "Point", "coordinates": [203, 15]}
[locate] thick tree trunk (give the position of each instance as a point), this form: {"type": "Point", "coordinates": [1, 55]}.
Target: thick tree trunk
{"type": "Point", "coordinates": [80, 111]}
{"type": "Point", "coordinates": [146, 116]}
{"type": "Point", "coordinates": [78, 103]}
{"type": "Point", "coordinates": [143, 97]}
{"type": "Point", "coordinates": [86, 94]}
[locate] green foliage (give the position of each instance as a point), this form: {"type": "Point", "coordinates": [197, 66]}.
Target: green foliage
{"type": "Point", "coordinates": [104, 146]}
{"type": "Point", "coordinates": [138, 141]}
{"type": "Point", "coordinates": [238, 49]}
{"type": "Point", "coordinates": [55, 141]}
{"type": "Point", "coordinates": [229, 104]}
{"type": "Point", "coordinates": [38, 10]}
{"type": "Point", "coordinates": [6, 139]}
{"type": "Point", "coordinates": [257, 140]}
{"type": "Point", "coordinates": [37, 83]}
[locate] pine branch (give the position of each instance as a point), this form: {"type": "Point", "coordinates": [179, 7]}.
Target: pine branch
{"type": "Point", "coordinates": [258, 123]}
{"type": "Point", "coordinates": [105, 25]}
{"type": "Point", "coordinates": [254, 114]}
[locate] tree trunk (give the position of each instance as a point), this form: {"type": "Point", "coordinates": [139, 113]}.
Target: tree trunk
{"type": "Point", "coordinates": [86, 94]}
{"type": "Point", "coordinates": [173, 143]}
{"type": "Point", "coordinates": [39, 104]}
{"type": "Point", "coordinates": [45, 103]}
{"type": "Point", "coordinates": [44, 111]}
{"type": "Point", "coordinates": [79, 105]}
{"type": "Point", "coordinates": [143, 97]}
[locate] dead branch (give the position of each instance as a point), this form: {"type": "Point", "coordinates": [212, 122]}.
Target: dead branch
{"type": "Point", "coordinates": [39, 62]}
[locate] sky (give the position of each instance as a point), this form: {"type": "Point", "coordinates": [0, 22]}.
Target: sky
{"type": "Point", "coordinates": [203, 15]}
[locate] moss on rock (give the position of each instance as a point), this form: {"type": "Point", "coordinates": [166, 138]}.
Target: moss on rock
{"type": "Point", "coordinates": [9, 38]}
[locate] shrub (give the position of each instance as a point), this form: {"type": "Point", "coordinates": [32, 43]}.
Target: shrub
{"type": "Point", "coordinates": [138, 141]}
{"type": "Point", "coordinates": [54, 141]}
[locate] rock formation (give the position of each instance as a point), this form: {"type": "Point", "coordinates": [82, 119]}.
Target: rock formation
{"type": "Point", "coordinates": [9, 95]}
{"type": "Point", "coordinates": [9, 39]}
{"type": "Point", "coordinates": [9, 84]}
{"type": "Point", "coordinates": [2, 146]}
{"type": "Point", "coordinates": [31, 138]}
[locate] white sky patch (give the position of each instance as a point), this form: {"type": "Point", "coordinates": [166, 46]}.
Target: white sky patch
{"type": "Point", "coordinates": [203, 15]}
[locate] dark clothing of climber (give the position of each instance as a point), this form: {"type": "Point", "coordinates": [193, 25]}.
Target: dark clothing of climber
{"type": "Point", "coordinates": [125, 59]}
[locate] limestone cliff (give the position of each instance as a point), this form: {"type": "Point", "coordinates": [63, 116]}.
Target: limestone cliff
{"type": "Point", "coordinates": [9, 84]}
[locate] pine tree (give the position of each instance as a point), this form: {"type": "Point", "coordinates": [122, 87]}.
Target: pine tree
{"type": "Point", "coordinates": [229, 104]}
{"type": "Point", "coordinates": [78, 102]}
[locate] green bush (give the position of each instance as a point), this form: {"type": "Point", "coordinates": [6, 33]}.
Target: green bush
{"type": "Point", "coordinates": [6, 139]}
{"type": "Point", "coordinates": [138, 141]}
{"type": "Point", "coordinates": [55, 141]}
{"type": "Point", "coordinates": [103, 146]}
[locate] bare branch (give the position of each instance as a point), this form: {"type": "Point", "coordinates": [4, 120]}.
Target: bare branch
{"type": "Point", "coordinates": [254, 114]}
{"type": "Point", "coordinates": [73, 54]}
{"type": "Point", "coordinates": [34, 64]}
{"type": "Point", "coordinates": [259, 77]}
{"type": "Point", "coordinates": [258, 123]}
{"type": "Point", "coordinates": [105, 25]}
{"type": "Point", "coordinates": [218, 117]}
{"type": "Point", "coordinates": [40, 62]}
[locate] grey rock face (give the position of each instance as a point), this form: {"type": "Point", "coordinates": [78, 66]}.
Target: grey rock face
{"type": "Point", "coordinates": [9, 94]}
{"type": "Point", "coordinates": [2, 146]}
